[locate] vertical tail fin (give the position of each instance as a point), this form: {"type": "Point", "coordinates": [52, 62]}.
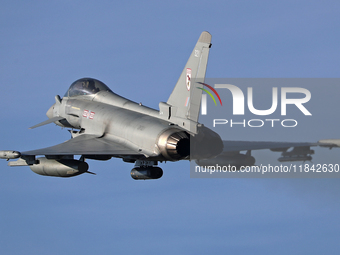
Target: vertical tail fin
{"type": "Point", "coordinates": [185, 99]}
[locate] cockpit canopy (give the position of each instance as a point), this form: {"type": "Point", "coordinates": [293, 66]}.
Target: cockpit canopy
{"type": "Point", "coordinates": [86, 86]}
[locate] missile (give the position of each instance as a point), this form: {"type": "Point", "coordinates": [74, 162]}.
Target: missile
{"type": "Point", "coordinates": [9, 154]}
{"type": "Point", "coordinates": [329, 143]}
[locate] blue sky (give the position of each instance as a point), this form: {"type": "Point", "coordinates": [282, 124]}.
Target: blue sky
{"type": "Point", "coordinates": [139, 49]}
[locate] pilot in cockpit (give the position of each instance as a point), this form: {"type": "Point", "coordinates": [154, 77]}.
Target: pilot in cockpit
{"type": "Point", "coordinates": [89, 87]}
{"type": "Point", "coordinates": [86, 86]}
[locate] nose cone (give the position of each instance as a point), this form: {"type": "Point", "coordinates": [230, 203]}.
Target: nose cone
{"type": "Point", "coordinates": [49, 113]}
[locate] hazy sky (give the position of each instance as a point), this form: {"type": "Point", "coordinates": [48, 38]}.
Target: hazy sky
{"type": "Point", "coordinates": [139, 49]}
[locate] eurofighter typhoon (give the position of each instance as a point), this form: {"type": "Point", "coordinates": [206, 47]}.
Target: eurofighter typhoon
{"type": "Point", "coordinates": [105, 125]}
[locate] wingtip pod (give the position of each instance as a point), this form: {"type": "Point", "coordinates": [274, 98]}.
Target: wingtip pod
{"type": "Point", "coordinates": [9, 154]}
{"type": "Point", "coordinates": [329, 143]}
{"type": "Point", "coordinates": [205, 37]}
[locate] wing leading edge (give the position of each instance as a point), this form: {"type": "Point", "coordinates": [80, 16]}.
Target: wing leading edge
{"type": "Point", "coordinates": [94, 145]}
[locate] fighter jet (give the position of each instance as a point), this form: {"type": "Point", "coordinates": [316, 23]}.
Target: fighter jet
{"type": "Point", "coordinates": [105, 125]}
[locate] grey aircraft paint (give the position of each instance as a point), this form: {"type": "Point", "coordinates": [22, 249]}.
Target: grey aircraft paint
{"type": "Point", "coordinates": [109, 125]}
